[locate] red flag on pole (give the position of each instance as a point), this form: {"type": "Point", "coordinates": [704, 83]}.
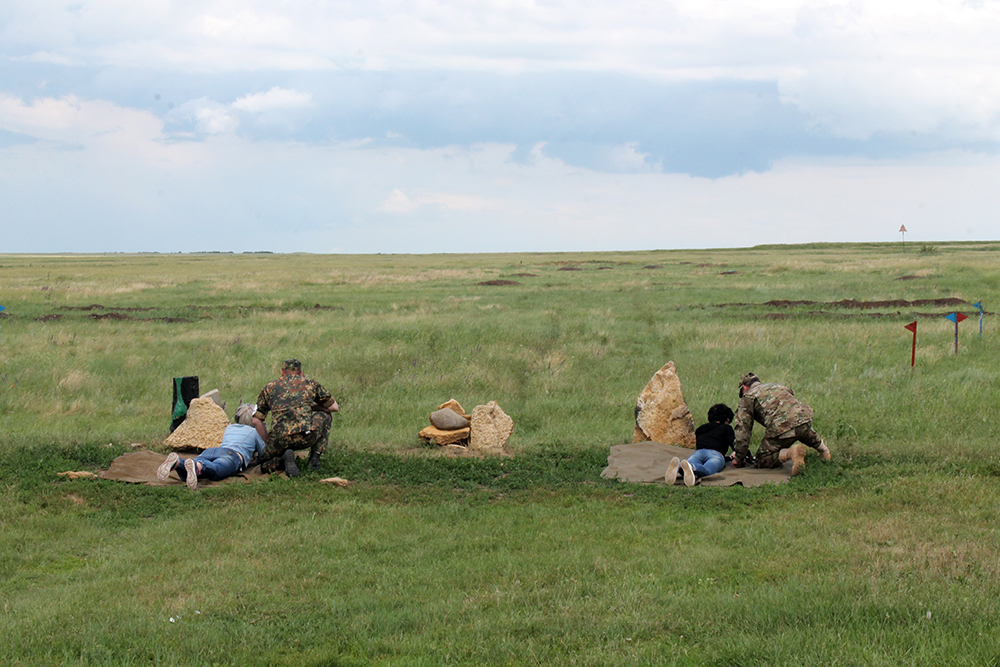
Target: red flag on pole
{"type": "Point", "coordinates": [912, 326]}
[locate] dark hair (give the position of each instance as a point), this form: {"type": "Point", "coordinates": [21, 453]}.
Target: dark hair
{"type": "Point", "coordinates": [720, 412]}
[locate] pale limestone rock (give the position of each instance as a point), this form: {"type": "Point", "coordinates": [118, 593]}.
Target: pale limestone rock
{"type": "Point", "coordinates": [491, 427]}
{"type": "Point", "coordinates": [216, 398]}
{"type": "Point", "coordinates": [336, 481]}
{"type": "Point", "coordinates": [661, 415]}
{"type": "Point", "coordinates": [201, 429]}
{"type": "Point", "coordinates": [439, 437]}
{"type": "Point", "coordinates": [77, 474]}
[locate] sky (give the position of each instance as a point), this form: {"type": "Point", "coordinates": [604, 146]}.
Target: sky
{"type": "Point", "coordinates": [420, 126]}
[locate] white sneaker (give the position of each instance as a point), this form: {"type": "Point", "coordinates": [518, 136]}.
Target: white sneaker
{"type": "Point", "coordinates": [689, 479]}
{"type": "Point", "coordinates": [671, 476]}
{"type": "Point", "coordinates": [167, 467]}
{"type": "Point", "coordinates": [192, 473]}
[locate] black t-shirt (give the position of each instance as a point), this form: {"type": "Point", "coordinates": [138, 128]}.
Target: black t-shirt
{"type": "Point", "coordinates": [715, 435]}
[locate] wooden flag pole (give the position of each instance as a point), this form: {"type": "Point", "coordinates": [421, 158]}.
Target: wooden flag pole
{"type": "Point", "coordinates": [956, 318]}
{"type": "Point", "coordinates": [912, 326]}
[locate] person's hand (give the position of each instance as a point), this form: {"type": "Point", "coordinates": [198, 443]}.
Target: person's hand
{"type": "Point", "coordinates": [737, 464]}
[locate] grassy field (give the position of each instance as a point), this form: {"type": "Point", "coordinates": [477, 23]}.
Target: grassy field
{"type": "Point", "coordinates": [888, 555]}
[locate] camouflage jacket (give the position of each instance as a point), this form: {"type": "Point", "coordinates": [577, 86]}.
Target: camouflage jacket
{"type": "Point", "coordinates": [773, 406]}
{"type": "Point", "coordinates": [292, 399]}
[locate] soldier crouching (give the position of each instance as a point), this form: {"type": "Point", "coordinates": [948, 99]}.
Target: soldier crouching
{"type": "Point", "coordinates": [786, 421]}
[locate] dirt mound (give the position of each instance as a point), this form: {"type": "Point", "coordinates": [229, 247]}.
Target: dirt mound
{"type": "Point", "coordinates": [93, 306]}
{"type": "Point", "coordinates": [499, 283]}
{"type": "Point", "coordinates": [569, 268]}
{"type": "Point", "coordinates": [653, 266]}
{"type": "Point", "coordinates": [854, 304]}
{"type": "Point", "coordinates": [48, 318]}
{"type": "Point", "coordinates": [780, 303]}
{"type": "Point", "coordinates": [525, 275]}
{"type": "Point", "coordinates": [109, 316]}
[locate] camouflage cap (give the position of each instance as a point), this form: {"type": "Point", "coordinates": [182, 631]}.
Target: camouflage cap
{"type": "Point", "coordinates": [749, 380]}
{"type": "Point", "coordinates": [291, 365]}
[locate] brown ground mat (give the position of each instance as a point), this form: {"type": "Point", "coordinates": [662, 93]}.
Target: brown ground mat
{"type": "Point", "coordinates": [140, 468]}
{"type": "Point", "coordinates": [648, 461]}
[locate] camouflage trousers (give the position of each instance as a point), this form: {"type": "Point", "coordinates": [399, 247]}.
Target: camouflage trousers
{"type": "Point", "coordinates": [770, 448]}
{"type": "Point", "coordinates": [314, 439]}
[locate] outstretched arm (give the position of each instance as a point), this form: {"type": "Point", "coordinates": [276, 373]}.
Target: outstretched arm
{"type": "Point", "coordinates": [258, 424]}
{"type": "Point", "coordinates": [743, 428]}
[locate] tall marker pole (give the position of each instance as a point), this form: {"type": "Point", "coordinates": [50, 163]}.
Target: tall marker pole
{"type": "Point", "coordinates": [979, 305]}
{"type": "Point", "coordinates": [3, 308]}
{"type": "Point", "coordinates": [956, 318]}
{"type": "Point", "coordinates": [902, 231]}
{"type": "Point", "coordinates": [912, 326]}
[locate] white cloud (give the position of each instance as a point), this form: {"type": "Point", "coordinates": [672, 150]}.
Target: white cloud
{"type": "Point", "coordinates": [401, 203]}
{"type": "Point", "coordinates": [215, 120]}
{"type": "Point", "coordinates": [275, 99]}
{"type": "Point", "coordinates": [855, 68]}
{"type": "Point", "coordinates": [93, 125]}
{"type": "Point", "coordinates": [398, 202]}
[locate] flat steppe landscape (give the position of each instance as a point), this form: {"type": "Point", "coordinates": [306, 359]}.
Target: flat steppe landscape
{"type": "Point", "coordinates": [886, 555]}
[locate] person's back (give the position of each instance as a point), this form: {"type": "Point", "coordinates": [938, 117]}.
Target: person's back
{"type": "Point", "coordinates": [775, 407]}
{"type": "Point", "coordinates": [786, 421]}
{"type": "Point", "coordinates": [244, 440]}
{"type": "Point", "coordinates": [717, 436]}
{"type": "Point", "coordinates": [300, 411]}
{"type": "Point", "coordinates": [291, 399]}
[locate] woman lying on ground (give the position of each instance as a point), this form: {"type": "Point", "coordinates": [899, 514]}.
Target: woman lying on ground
{"type": "Point", "coordinates": [712, 441]}
{"type": "Point", "coordinates": [240, 443]}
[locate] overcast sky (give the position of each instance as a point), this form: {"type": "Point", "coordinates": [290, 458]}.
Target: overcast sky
{"type": "Point", "coordinates": [495, 125]}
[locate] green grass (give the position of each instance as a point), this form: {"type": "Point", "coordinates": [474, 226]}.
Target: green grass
{"type": "Point", "coordinates": [523, 560]}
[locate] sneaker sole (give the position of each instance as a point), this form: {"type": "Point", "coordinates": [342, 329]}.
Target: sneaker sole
{"type": "Point", "coordinates": [671, 476]}
{"type": "Point", "coordinates": [689, 478]}
{"type": "Point", "coordinates": [192, 474]}
{"type": "Point", "coordinates": [167, 467]}
{"type": "Point", "coordinates": [291, 469]}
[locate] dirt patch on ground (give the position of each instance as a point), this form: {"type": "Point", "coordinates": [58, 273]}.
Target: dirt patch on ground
{"type": "Point", "coordinates": [849, 305]}
{"type": "Point", "coordinates": [49, 318]}
{"type": "Point", "coordinates": [569, 268]}
{"type": "Point", "coordinates": [93, 306]}
{"type": "Point", "coordinates": [525, 275]}
{"type": "Point", "coordinates": [499, 283]}
{"type": "Point", "coordinates": [653, 266]}
{"type": "Point", "coordinates": [853, 304]}
{"type": "Point", "coordinates": [119, 317]}
{"type": "Point", "coordinates": [109, 316]}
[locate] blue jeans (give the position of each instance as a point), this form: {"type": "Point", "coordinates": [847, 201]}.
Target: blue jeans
{"type": "Point", "coordinates": [706, 462]}
{"type": "Point", "coordinates": [216, 463]}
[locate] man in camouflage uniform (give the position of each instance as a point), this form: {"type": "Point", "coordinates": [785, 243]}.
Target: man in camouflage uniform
{"type": "Point", "coordinates": [301, 417]}
{"type": "Point", "coordinates": [786, 421]}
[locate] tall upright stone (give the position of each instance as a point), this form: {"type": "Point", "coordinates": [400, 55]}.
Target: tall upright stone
{"type": "Point", "coordinates": [661, 414]}
{"type": "Point", "coordinates": [202, 428]}
{"type": "Point", "coordinates": [491, 427]}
